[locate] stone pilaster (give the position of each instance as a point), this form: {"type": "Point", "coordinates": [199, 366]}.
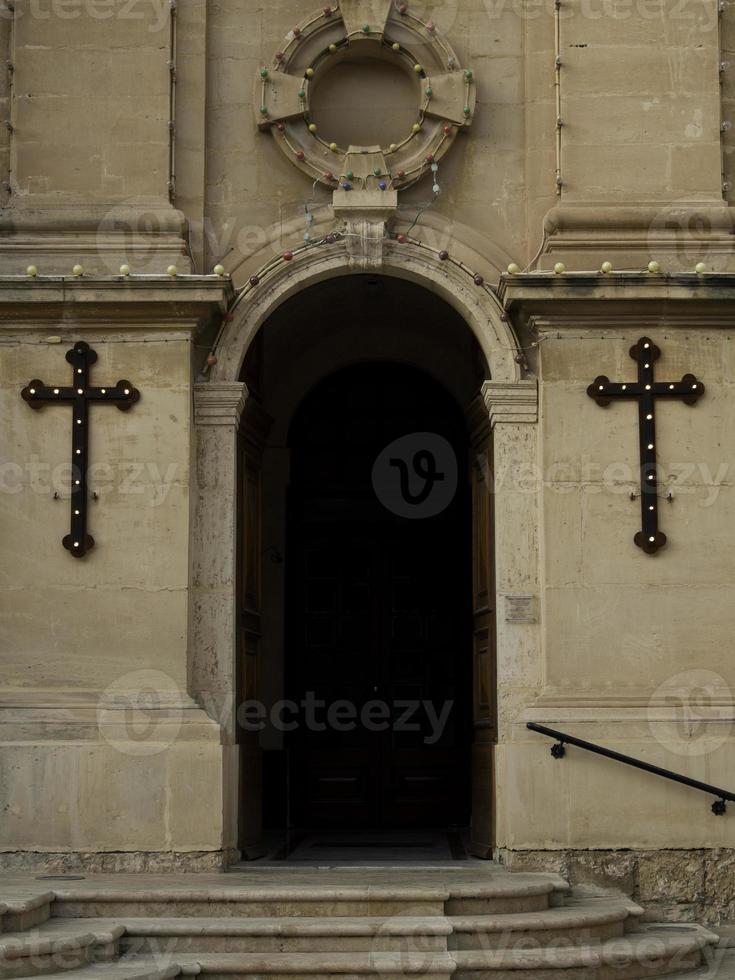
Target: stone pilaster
{"type": "Point", "coordinates": [513, 411]}
{"type": "Point", "coordinates": [218, 408]}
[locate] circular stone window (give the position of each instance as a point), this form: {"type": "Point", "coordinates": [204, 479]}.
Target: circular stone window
{"type": "Point", "coordinates": [365, 95]}
{"type": "Point", "coordinates": [364, 103]}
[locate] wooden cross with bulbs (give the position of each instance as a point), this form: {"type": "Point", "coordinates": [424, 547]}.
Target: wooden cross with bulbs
{"type": "Point", "coordinates": [79, 395]}
{"type": "Point", "coordinates": [646, 391]}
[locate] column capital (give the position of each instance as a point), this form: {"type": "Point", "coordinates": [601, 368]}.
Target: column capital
{"type": "Point", "coordinates": [219, 402]}
{"type": "Point", "coordinates": [511, 401]}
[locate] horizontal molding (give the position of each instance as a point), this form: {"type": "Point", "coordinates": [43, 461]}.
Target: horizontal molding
{"type": "Point", "coordinates": [41, 698]}
{"type": "Point", "coordinates": [583, 291]}
{"type": "Point", "coordinates": [182, 301]}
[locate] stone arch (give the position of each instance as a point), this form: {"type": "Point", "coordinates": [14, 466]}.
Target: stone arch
{"type": "Point", "coordinates": [475, 304]}
{"type": "Point", "coordinates": [508, 406]}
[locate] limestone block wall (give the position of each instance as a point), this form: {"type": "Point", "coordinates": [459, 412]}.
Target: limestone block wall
{"type": "Point", "coordinates": [102, 750]}
{"type": "Point", "coordinates": [599, 586]}
{"type": "Point", "coordinates": [636, 648]}
{"type": "Point", "coordinates": [253, 192]}
{"type": "Point", "coordinates": [727, 88]}
{"type": "Point", "coordinates": [136, 575]}
{"type": "Point", "coordinates": [88, 170]}
{"type": "Point", "coordinates": [94, 165]}
{"type": "Point", "coordinates": [640, 101]}
{"type": "Point", "coordinates": [91, 103]}
{"type": "Point", "coordinates": [6, 82]}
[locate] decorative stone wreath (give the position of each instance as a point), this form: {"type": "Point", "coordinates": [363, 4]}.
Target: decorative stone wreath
{"type": "Point", "coordinates": [345, 32]}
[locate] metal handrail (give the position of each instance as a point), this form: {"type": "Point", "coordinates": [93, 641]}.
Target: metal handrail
{"type": "Point", "coordinates": [558, 751]}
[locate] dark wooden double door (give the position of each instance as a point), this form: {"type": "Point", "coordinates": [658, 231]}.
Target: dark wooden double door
{"type": "Point", "coordinates": [379, 618]}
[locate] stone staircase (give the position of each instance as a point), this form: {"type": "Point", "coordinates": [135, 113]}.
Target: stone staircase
{"type": "Point", "coordinates": [370, 925]}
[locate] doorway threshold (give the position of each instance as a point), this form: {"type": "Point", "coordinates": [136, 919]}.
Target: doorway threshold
{"type": "Point", "coordinates": [367, 848]}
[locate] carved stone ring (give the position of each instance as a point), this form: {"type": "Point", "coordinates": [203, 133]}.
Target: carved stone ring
{"type": "Point", "coordinates": [356, 31]}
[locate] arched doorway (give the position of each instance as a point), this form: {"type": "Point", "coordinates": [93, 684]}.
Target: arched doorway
{"type": "Point", "coordinates": [337, 376]}
{"type": "Point", "coordinates": [378, 651]}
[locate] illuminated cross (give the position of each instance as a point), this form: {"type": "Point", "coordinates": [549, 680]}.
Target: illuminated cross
{"type": "Point", "coordinates": [646, 390]}
{"type": "Point", "coordinates": [79, 394]}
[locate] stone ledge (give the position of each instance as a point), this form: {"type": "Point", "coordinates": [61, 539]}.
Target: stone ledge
{"type": "Point", "coordinates": [107, 300]}
{"type": "Point", "coordinates": [511, 401]}
{"type": "Point", "coordinates": [578, 291]}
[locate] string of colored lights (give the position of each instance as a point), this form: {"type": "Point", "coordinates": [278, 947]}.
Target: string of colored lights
{"type": "Point", "coordinates": [335, 237]}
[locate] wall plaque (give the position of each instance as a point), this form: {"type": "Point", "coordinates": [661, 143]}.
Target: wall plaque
{"type": "Point", "coordinates": [520, 609]}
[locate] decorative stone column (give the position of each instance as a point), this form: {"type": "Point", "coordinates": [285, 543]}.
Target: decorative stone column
{"type": "Point", "coordinates": [218, 408]}
{"type": "Point", "coordinates": [513, 411]}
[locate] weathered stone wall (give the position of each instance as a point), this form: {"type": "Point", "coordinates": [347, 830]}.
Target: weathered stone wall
{"type": "Point", "coordinates": [87, 157]}
{"type": "Point", "coordinates": [672, 885]}
{"type": "Point", "coordinates": [88, 102]}
{"type": "Point", "coordinates": [101, 747]}
{"type": "Point", "coordinates": [253, 191]}
{"type": "Point", "coordinates": [91, 103]}
{"type": "Point", "coordinates": [621, 623]}
{"type": "Point", "coordinates": [86, 145]}
{"type": "Point", "coordinates": [640, 101]}
{"type": "Point", "coordinates": [6, 82]}
{"type": "Point", "coordinates": [727, 82]}
{"type": "Point", "coordinates": [636, 647]}
{"type": "Point", "coordinates": [106, 613]}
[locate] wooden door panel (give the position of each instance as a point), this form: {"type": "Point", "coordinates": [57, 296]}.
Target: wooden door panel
{"type": "Point", "coordinates": [255, 424]}
{"type": "Point", "coordinates": [379, 607]}
{"type": "Point", "coordinates": [381, 633]}
{"type": "Point", "coordinates": [484, 633]}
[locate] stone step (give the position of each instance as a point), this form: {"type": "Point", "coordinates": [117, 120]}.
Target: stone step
{"type": "Point", "coordinates": [580, 921]}
{"type": "Point", "coordinates": [720, 966]}
{"type": "Point", "coordinates": [137, 968]}
{"type": "Point", "coordinates": [507, 893]}
{"type": "Point", "coordinates": [654, 951]}
{"type": "Point", "coordinates": [498, 893]}
{"type": "Point", "coordinates": [25, 911]}
{"type": "Point", "coordinates": [57, 946]}
{"type": "Point", "coordinates": [295, 934]}
{"type": "Point", "coordinates": [317, 966]}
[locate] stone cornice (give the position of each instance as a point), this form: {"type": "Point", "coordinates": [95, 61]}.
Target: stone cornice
{"type": "Point", "coordinates": [150, 298]}
{"type": "Point", "coordinates": [637, 292]}
{"type": "Point", "coordinates": [219, 403]}
{"type": "Point", "coordinates": [122, 219]}
{"type": "Point", "coordinates": [610, 218]}
{"type": "Point", "coordinates": [597, 303]}
{"type": "Point", "coordinates": [511, 401]}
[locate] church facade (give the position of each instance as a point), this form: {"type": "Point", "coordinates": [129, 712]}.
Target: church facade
{"type": "Point", "coordinates": [415, 325]}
